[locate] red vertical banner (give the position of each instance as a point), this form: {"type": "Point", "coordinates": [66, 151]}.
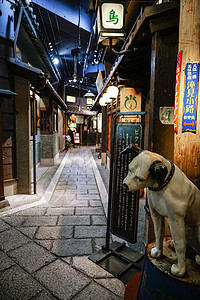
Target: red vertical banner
{"type": "Point", "coordinates": [177, 90]}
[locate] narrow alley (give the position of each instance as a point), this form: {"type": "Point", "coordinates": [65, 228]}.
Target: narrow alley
{"type": "Point", "coordinates": [45, 244]}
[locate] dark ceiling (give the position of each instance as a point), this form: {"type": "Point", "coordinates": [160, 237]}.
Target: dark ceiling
{"type": "Point", "coordinates": [66, 30]}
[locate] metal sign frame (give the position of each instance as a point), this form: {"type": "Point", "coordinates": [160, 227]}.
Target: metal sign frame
{"type": "Point", "coordinates": [116, 258]}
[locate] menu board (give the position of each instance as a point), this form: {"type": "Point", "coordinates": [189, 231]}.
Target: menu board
{"type": "Point", "coordinates": [124, 204]}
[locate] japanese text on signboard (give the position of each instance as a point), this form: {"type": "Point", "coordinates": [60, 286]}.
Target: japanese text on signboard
{"type": "Point", "coordinates": [190, 97]}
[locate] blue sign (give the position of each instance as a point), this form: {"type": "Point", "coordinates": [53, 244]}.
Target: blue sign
{"type": "Point", "coordinates": [190, 97]}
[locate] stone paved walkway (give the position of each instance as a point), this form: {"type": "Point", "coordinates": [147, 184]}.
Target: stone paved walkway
{"type": "Point", "coordinates": [44, 249]}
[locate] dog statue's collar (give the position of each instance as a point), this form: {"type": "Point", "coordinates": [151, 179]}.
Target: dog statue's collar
{"type": "Point", "coordinates": [167, 180]}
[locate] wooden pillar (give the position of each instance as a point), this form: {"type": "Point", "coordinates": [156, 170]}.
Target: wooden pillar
{"type": "Point", "coordinates": [187, 144]}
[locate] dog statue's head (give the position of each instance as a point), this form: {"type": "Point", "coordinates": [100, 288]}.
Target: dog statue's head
{"type": "Point", "coordinates": [145, 170]}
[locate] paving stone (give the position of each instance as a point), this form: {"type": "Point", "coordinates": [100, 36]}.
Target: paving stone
{"type": "Point", "coordinates": [80, 192]}
{"type": "Point", "coordinates": [33, 211]}
{"type": "Point", "coordinates": [62, 280]}
{"type": "Point", "coordinates": [31, 257]}
{"type": "Point", "coordinates": [58, 193]}
{"type": "Point", "coordinates": [89, 211]}
{"type": "Point", "coordinates": [4, 226]}
{"type": "Point", "coordinates": [28, 231]}
{"type": "Point", "coordinates": [5, 261]}
{"type": "Point", "coordinates": [67, 260]}
{"type": "Point", "coordinates": [74, 220]}
{"type": "Point", "coordinates": [54, 232]}
{"type": "Point", "coordinates": [75, 203]}
{"type": "Point", "coordinates": [96, 291]}
{"type": "Point", "coordinates": [47, 244]}
{"type": "Point", "coordinates": [93, 191]}
{"type": "Point", "coordinates": [98, 220]}
{"type": "Point", "coordinates": [114, 285]}
{"type": "Point", "coordinates": [14, 220]}
{"type": "Point", "coordinates": [88, 197]}
{"type": "Point", "coordinates": [16, 284]}
{"type": "Point", "coordinates": [89, 267]}
{"type": "Point", "coordinates": [61, 183]}
{"type": "Point", "coordinates": [12, 239]}
{"type": "Point", "coordinates": [40, 221]}
{"type": "Point", "coordinates": [61, 187]}
{"type": "Point", "coordinates": [44, 295]}
{"type": "Point", "coordinates": [89, 231]}
{"type": "Point", "coordinates": [95, 203]}
{"type": "Point", "coordinates": [72, 247]}
{"type": "Point", "coordinates": [60, 211]}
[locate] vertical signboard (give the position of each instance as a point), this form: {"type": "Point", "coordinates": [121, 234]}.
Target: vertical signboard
{"type": "Point", "coordinates": [177, 90]}
{"type": "Point", "coordinates": [124, 204]}
{"type": "Point", "coordinates": [190, 97]}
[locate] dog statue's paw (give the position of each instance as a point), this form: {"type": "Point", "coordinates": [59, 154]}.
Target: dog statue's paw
{"type": "Point", "coordinates": [176, 271]}
{"type": "Point", "coordinates": [197, 259]}
{"type": "Point", "coordinates": [155, 252]}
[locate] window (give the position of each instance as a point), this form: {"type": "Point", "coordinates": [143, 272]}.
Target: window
{"type": "Point", "coordinates": [71, 99]}
{"type": "Point", "coordinates": [44, 121]}
{"type": "Point", "coordinates": [8, 139]}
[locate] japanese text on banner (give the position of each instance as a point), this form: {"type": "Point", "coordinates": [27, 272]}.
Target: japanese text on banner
{"type": "Point", "coordinates": [190, 97]}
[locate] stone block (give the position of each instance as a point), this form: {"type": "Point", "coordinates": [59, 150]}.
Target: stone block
{"type": "Point", "coordinates": [54, 232]}
{"type": "Point", "coordinates": [89, 211]}
{"type": "Point", "coordinates": [62, 280]}
{"type": "Point", "coordinates": [11, 239]}
{"type": "Point", "coordinates": [40, 221]}
{"type": "Point", "coordinates": [4, 226]}
{"type": "Point", "coordinates": [31, 257]}
{"type": "Point", "coordinates": [89, 231]}
{"type": "Point", "coordinates": [98, 220]}
{"type": "Point", "coordinates": [74, 220]}
{"type": "Point", "coordinates": [96, 291]}
{"type": "Point", "coordinates": [17, 284]}
{"type": "Point", "coordinates": [72, 247]}
{"type": "Point", "coordinates": [5, 261]}
{"type": "Point", "coordinates": [57, 211]}
{"type": "Point", "coordinates": [89, 267]}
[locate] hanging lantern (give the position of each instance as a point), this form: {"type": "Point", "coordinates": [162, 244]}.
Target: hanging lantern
{"type": "Point", "coordinates": [89, 98]}
{"type": "Point", "coordinates": [113, 91]}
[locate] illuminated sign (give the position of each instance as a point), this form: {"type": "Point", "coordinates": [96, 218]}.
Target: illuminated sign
{"type": "Point", "coordinates": [112, 15]}
{"type": "Point", "coordinates": [190, 97]}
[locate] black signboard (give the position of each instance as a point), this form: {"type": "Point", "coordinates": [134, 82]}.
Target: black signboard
{"type": "Point", "coordinates": [124, 204]}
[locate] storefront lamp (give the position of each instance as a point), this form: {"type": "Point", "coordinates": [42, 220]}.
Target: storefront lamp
{"type": "Point", "coordinates": [111, 19]}
{"type": "Point", "coordinates": [105, 99]}
{"type": "Point", "coordinates": [89, 98]}
{"type": "Point", "coordinates": [113, 91]}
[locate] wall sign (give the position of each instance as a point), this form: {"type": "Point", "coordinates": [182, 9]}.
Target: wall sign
{"type": "Point", "coordinates": [190, 97]}
{"type": "Point", "coordinates": [112, 15]}
{"type": "Point", "coordinates": [76, 138]}
{"type": "Point", "coordinates": [166, 115]}
{"type": "Point", "coordinates": [177, 90]}
{"type": "Point", "coordinates": [130, 100]}
{"type": "Point", "coordinates": [124, 204]}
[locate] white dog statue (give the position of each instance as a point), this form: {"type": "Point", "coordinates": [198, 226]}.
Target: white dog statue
{"type": "Point", "coordinates": [170, 194]}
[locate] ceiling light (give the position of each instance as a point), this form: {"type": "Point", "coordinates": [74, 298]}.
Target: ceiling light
{"type": "Point", "coordinates": [56, 61]}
